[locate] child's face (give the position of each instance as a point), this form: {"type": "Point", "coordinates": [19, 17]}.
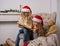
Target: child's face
{"type": "Point", "coordinates": [35, 25]}
{"type": "Point", "coordinates": [25, 13]}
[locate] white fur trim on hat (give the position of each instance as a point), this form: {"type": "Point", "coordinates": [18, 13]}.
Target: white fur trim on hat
{"type": "Point", "coordinates": [36, 20]}
{"type": "Point", "coordinates": [25, 10]}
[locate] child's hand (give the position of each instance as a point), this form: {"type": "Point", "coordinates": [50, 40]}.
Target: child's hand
{"type": "Point", "coordinates": [19, 23]}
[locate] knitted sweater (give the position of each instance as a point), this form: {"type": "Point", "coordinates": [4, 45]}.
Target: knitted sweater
{"type": "Point", "coordinates": [50, 40]}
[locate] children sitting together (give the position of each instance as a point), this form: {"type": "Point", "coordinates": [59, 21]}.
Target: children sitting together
{"type": "Point", "coordinates": [33, 31]}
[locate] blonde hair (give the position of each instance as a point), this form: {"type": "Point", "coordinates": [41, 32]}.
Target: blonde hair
{"type": "Point", "coordinates": [29, 18]}
{"type": "Point", "coordinates": [41, 29]}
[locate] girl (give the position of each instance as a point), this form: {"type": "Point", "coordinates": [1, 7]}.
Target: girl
{"type": "Point", "coordinates": [49, 40]}
{"type": "Point", "coordinates": [25, 24]}
{"type": "Point", "coordinates": [37, 26]}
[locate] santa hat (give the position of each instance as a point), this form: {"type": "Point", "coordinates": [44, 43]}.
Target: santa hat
{"type": "Point", "coordinates": [38, 19]}
{"type": "Point", "coordinates": [26, 9]}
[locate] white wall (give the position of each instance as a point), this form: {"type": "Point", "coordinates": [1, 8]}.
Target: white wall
{"type": "Point", "coordinates": [58, 11]}
{"type": "Point", "coordinates": [53, 5]}
{"type": "Point", "coordinates": [8, 30]}
{"type": "Point", "coordinates": [58, 18]}
{"type": "Point", "coordinates": [36, 6]}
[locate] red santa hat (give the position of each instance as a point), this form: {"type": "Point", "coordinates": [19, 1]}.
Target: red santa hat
{"type": "Point", "coordinates": [38, 19]}
{"type": "Point", "coordinates": [26, 9]}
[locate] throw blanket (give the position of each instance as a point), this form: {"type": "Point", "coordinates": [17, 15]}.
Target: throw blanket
{"type": "Point", "coordinates": [50, 40]}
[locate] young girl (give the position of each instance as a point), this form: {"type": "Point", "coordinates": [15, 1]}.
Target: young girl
{"type": "Point", "coordinates": [49, 40]}
{"type": "Point", "coordinates": [37, 26]}
{"type": "Point", "coordinates": [25, 24]}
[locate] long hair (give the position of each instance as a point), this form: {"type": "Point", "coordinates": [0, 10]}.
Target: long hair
{"type": "Point", "coordinates": [28, 19]}
{"type": "Point", "coordinates": [40, 29]}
